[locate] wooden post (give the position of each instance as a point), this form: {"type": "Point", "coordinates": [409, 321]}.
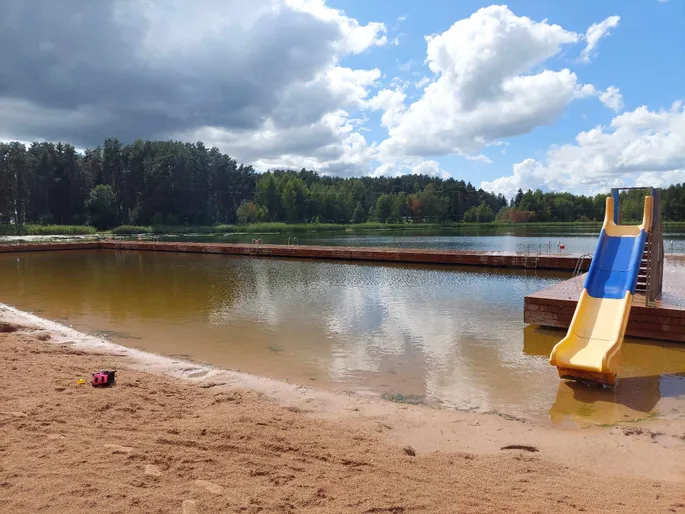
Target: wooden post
{"type": "Point", "coordinates": [615, 193]}
{"type": "Point", "coordinates": [655, 253]}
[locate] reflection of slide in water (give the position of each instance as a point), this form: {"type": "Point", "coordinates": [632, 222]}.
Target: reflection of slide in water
{"type": "Point", "coordinates": [650, 371]}
{"type": "Point", "coordinates": [590, 349]}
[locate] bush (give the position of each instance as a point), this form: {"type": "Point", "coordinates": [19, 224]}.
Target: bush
{"type": "Point", "coordinates": [102, 207]}
{"type": "Point", "coordinates": [481, 214]}
{"type": "Point", "coordinates": [59, 230]}
{"type": "Point", "coordinates": [250, 212]}
{"type": "Point", "coordinates": [46, 230]}
{"type": "Point", "coordinates": [183, 229]}
{"type": "Point", "coordinates": [131, 230]}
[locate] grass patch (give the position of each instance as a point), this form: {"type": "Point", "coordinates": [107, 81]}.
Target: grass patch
{"type": "Point", "coordinates": [168, 229]}
{"type": "Point", "coordinates": [46, 230]}
{"type": "Point", "coordinates": [184, 229]}
{"type": "Point", "coordinates": [130, 230]}
{"type": "Point", "coordinates": [291, 228]}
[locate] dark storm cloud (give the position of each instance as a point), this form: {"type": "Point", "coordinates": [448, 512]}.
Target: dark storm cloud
{"type": "Point", "coordinates": [82, 70]}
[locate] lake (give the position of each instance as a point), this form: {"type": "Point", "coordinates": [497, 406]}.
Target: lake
{"type": "Point", "coordinates": [445, 336]}
{"type": "Point", "coordinates": [577, 240]}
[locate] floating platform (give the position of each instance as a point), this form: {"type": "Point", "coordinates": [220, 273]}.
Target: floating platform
{"type": "Point", "coordinates": [554, 306]}
{"type": "Point", "coordinates": [342, 253]}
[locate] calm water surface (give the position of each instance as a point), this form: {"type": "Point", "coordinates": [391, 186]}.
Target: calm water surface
{"type": "Point", "coordinates": [577, 240]}
{"type": "Point", "coordinates": [447, 336]}
{"type": "Point", "coordinates": [499, 239]}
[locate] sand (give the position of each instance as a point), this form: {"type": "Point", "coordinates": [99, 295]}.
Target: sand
{"type": "Point", "coordinates": [173, 436]}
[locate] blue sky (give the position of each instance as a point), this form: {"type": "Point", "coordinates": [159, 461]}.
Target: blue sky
{"type": "Point", "coordinates": [576, 96]}
{"type": "Point", "coordinates": [644, 56]}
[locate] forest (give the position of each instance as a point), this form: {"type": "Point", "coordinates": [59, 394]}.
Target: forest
{"type": "Point", "coordinates": [174, 183]}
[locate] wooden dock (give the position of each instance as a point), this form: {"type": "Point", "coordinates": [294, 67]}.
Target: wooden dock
{"type": "Point", "coordinates": [340, 253]}
{"type": "Point", "coordinates": [554, 306]}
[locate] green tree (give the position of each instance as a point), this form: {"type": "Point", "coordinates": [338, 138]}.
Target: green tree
{"type": "Point", "coordinates": [269, 196]}
{"type": "Point", "coordinates": [358, 214]}
{"type": "Point", "coordinates": [481, 214]}
{"type": "Point", "coordinates": [383, 208]}
{"type": "Point", "coordinates": [102, 207]}
{"type": "Point", "coordinates": [250, 212]}
{"type": "Point", "coordinates": [399, 207]}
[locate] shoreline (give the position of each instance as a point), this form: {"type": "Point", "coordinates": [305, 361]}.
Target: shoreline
{"type": "Point", "coordinates": [195, 438]}
{"type": "Point", "coordinates": [337, 406]}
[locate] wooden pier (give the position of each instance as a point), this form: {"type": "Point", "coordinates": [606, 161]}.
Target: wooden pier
{"type": "Point", "coordinates": [554, 306]}
{"type": "Point", "coordinates": [339, 253]}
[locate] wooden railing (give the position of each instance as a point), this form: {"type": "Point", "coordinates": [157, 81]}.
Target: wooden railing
{"type": "Point", "coordinates": [651, 275]}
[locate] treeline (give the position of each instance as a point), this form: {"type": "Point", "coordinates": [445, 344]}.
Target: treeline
{"type": "Point", "coordinates": [174, 183]}
{"type": "Point", "coordinates": [536, 206]}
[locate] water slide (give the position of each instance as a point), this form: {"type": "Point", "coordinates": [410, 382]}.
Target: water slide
{"type": "Point", "coordinates": [591, 347]}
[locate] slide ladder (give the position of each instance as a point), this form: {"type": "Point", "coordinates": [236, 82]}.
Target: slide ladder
{"type": "Point", "coordinates": [590, 349]}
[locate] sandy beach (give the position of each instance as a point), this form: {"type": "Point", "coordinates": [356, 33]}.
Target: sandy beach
{"type": "Point", "coordinates": [173, 436]}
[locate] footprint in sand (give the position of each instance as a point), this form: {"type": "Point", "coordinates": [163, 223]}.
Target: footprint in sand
{"type": "Point", "coordinates": [212, 488]}
{"type": "Point", "coordinates": [152, 470]}
{"type": "Point", "coordinates": [118, 449]}
{"type": "Point", "coordinates": [189, 507]}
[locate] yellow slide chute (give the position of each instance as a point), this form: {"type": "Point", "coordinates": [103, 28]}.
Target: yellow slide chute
{"type": "Point", "coordinates": [590, 349]}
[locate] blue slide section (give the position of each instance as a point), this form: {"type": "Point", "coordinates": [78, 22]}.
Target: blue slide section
{"type": "Point", "coordinates": [615, 266]}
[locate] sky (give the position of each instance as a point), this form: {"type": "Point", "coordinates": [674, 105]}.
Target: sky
{"type": "Point", "coordinates": [563, 96]}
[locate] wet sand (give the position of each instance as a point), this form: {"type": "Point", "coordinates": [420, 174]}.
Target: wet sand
{"type": "Point", "coordinates": [173, 436]}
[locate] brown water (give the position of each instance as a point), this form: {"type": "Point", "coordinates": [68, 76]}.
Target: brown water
{"type": "Point", "coordinates": [448, 336]}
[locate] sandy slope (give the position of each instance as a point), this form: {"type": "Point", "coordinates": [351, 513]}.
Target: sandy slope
{"type": "Point", "coordinates": [227, 442]}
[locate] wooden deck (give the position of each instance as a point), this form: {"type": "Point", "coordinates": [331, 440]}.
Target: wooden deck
{"type": "Point", "coordinates": [554, 306]}
{"type": "Point", "coordinates": [344, 253]}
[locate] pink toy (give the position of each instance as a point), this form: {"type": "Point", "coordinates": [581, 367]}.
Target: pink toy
{"type": "Point", "coordinates": [103, 378]}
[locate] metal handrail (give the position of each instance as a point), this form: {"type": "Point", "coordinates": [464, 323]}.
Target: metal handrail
{"type": "Point", "coordinates": [579, 263]}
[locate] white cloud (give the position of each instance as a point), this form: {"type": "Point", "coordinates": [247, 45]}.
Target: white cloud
{"type": "Point", "coordinates": [392, 103]}
{"type": "Point", "coordinates": [585, 90]}
{"type": "Point", "coordinates": [422, 82]}
{"type": "Point", "coordinates": [350, 87]}
{"type": "Point", "coordinates": [333, 145]}
{"type": "Point", "coordinates": [612, 98]}
{"type": "Point", "coordinates": [430, 168]}
{"type": "Point", "coordinates": [411, 166]}
{"type": "Point", "coordinates": [479, 158]}
{"type": "Point", "coordinates": [357, 38]}
{"type": "Point", "coordinates": [406, 66]}
{"type": "Point", "coordinates": [660, 179]}
{"type": "Point", "coordinates": [485, 88]}
{"type": "Point", "coordinates": [263, 79]}
{"type": "Point", "coordinates": [594, 33]}
{"type": "Point", "coordinates": [638, 147]}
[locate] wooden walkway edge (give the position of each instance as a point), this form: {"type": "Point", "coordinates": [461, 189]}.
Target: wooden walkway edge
{"type": "Point", "coordinates": [344, 253]}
